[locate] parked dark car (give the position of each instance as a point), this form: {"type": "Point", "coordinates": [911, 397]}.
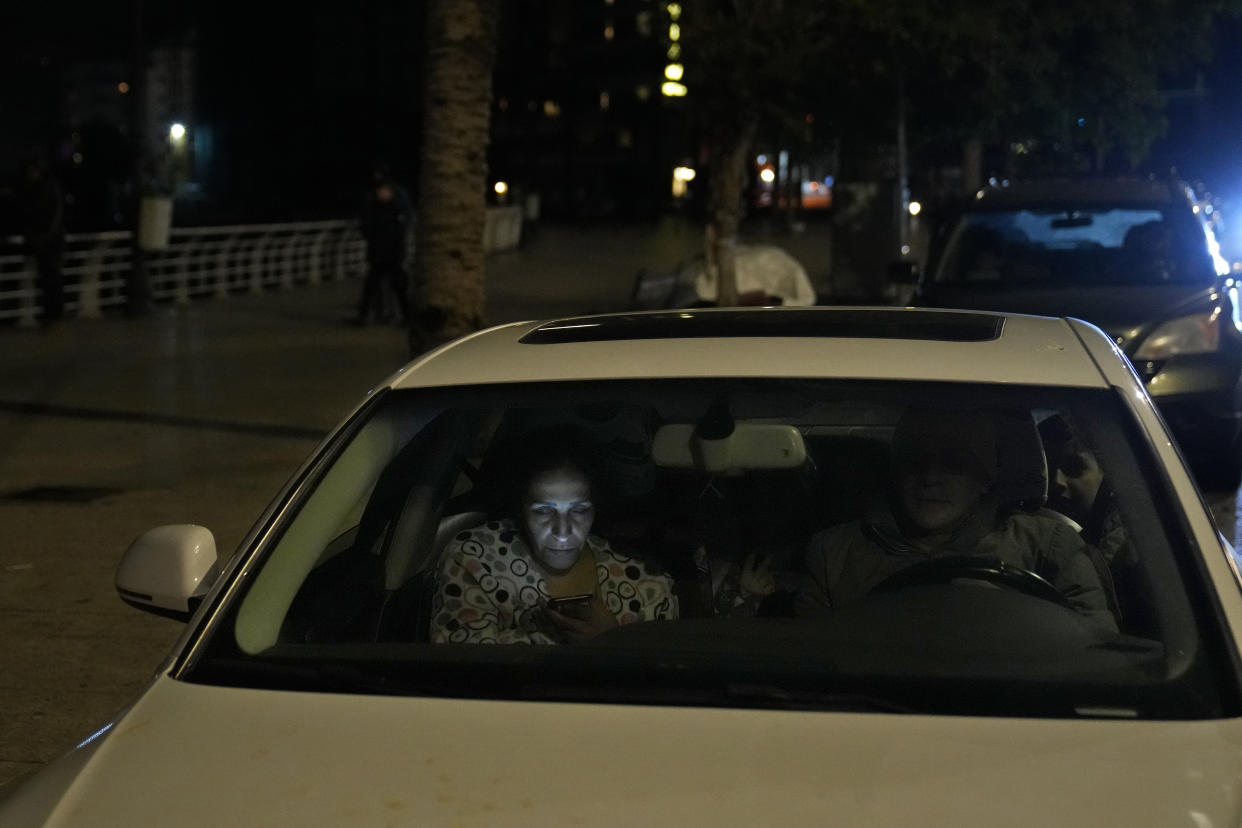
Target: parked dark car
{"type": "Point", "coordinates": [1133, 256]}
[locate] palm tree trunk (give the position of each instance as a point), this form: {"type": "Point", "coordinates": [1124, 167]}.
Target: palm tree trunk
{"type": "Point", "coordinates": [727, 185]}
{"type": "Point", "coordinates": [452, 208]}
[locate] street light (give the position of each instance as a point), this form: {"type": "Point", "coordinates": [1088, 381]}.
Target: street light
{"type": "Point", "coordinates": [681, 175]}
{"type": "Point", "coordinates": [176, 133]}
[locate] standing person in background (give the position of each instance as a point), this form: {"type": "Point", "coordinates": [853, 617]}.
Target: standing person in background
{"type": "Point", "coordinates": [387, 215]}
{"type": "Point", "coordinates": [42, 216]}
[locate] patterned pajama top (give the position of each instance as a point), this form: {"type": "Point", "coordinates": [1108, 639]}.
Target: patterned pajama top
{"type": "Point", "coordinates": [489, 590]}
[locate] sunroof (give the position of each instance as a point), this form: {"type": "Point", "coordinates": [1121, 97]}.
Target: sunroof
{"type": "Point", "coordinates": [851, 324]}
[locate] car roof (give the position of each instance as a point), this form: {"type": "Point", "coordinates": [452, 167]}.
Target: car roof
{"type": "Point", "coordinates": [854, 342]}
{"type": "Point", "coordinates": [1078, 191]}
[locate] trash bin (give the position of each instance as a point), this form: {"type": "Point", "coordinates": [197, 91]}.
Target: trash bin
{"type": "Point", "coordinates": [154, 222]}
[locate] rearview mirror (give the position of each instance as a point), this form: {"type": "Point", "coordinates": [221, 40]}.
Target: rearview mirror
{"type": "Point", "coordinates": [168, 570]}
{"type": "Point", "coordinates": [748, 446]}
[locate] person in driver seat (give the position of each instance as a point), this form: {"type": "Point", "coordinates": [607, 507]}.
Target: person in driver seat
{"type": "Point", "coordinates": [940, 505]}
{"type": "Point", "coordinates": [544, 578]}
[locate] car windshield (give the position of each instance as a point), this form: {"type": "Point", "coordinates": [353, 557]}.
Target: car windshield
{"type": "Point", "coordinates": [746, 543]}
{"type": "Point", "coordinates": [1076, 246]}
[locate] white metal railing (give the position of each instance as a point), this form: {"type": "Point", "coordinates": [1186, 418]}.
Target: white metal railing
{"type": "Point", "coordinates": [199, 261]}
{"type": "Point", "coordinates": [206, 261]}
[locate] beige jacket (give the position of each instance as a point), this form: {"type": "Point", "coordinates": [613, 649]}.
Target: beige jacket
{"type": "Point", "coordinates": [847, 561]}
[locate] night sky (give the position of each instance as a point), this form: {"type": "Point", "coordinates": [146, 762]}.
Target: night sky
{"type": "Point", "coordinates": [296, 105]}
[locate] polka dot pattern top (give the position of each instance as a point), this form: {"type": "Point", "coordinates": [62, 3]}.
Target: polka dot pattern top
{"type": "Point", "coordinates": [489, 589]}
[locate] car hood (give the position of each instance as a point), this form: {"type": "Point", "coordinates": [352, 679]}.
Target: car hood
{"type": "Point", "coordinates": [1117, 309]}
{"type": "Point", "coordinates": [196, 755]}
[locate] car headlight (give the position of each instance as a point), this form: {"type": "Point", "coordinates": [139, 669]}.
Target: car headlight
{"type": "Point", "coordinates": [1195, 334]}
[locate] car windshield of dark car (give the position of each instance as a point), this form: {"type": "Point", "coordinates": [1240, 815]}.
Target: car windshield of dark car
{"type": "Point", "coordinates": [1076, 246]}
{"type": "Point", "coordinates": [890, 546]}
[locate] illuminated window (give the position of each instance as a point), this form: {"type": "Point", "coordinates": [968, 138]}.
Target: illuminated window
{"type": "Point", "coordinates": [673, 71]}
{"type": "Point", "coordinates": [609, 32]}
{"type": "Point", "coordinates": [552, 109]}
{"type": "Point", "coordinates": [643, 23]}
{"type": "Point", "coordinates": [674, 51]}
{"type": "Point", "coordinates": [674, 32]}
{"type": "Point", "coordinates": [673, 90]}
{"type": "Point", "coordinates": [674, 11]}
{"type": "Point", "coordinates": [122, 87]}
{"type": "Point", "coordinates": [605, 100]}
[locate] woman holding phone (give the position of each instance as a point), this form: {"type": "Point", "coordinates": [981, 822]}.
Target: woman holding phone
{"type": "Point", "coordinates": [544, 578]}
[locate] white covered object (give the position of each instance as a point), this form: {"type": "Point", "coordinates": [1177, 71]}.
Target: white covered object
{"type": "Point", "coordinates": [766, 268]}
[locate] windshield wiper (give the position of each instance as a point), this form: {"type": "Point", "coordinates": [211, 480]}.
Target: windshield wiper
{"type": "Point", "coordinates": [782, 697]}
{"type": "Point", "coordinates": [323, 676]}
{"type": "Point", "coordinates": [709, 694]}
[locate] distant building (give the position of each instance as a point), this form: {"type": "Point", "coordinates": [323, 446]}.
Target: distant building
{"type": "Point", "coordinates": [578, 111]}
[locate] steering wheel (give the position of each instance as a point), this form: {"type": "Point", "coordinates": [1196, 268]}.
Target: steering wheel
{"type": "Point", "coordinates": [948, 569]}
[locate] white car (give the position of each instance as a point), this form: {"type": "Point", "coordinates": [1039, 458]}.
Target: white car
{"type": "Point", "coordinates": [771, 666]}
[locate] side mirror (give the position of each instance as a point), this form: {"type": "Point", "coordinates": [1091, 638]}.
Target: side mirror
{"type": "Point", "coordinates": [903, 273]}
{"type": "Point", "coordinates": [168, 570]}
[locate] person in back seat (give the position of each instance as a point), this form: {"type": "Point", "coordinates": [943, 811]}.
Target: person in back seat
{"type": "Point", "coordinates": [501, 582]}
{"type": "Point", "coordinates": [1078, 489]}
{"type": "Point", "coordinates": [945, 464]}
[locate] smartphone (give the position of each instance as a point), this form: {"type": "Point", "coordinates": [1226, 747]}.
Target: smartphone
{"type": "Point", "coordinates": [575, 605]}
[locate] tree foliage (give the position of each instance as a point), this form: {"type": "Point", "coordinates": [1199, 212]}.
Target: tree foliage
{"type": "Point", "coordinates": [1023, 70]}
{"type": "Point", "coordinates": [1037, 71]}
{"type": "Point", "coordinates": [749, 62]}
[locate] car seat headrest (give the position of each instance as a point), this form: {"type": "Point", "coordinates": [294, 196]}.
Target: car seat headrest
{"type": "Point", "coordinates": [1022, 468]}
